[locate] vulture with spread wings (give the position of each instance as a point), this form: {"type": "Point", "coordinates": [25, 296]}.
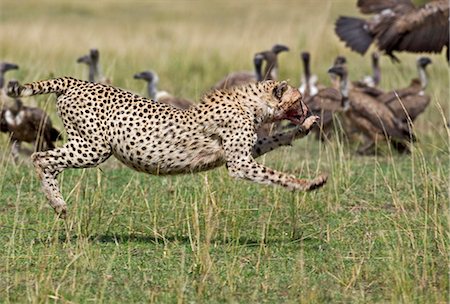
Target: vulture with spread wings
{"type": "Point", "coordinates": [397, 25]}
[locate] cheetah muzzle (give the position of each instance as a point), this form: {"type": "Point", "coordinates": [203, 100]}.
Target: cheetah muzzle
{"type": "Point", "coordinates": [155, 138]}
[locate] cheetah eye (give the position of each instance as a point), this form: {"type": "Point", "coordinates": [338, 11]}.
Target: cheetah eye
{"type": "Point", "coordinates": [279, 90]}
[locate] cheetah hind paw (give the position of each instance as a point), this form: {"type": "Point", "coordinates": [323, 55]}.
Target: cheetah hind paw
{"type": "Point", "coordinates": [317, 182]}
{"type": "Point", "coordinates": [61, 211]}
{"type": "Point", "coordinates": [13, 88]}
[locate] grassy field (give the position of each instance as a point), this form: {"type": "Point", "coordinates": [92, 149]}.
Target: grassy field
{"type": "Point", "coordinates": [377, 232]}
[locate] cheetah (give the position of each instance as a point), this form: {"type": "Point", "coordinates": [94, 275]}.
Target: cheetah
{"type": "Point", "coordinates": [155, 138]}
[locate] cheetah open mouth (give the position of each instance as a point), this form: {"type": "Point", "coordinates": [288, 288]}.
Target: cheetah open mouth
{"type": "Point", "coordinates": [296, 117]}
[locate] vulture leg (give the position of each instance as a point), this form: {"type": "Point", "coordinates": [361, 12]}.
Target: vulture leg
{"type": "Point", "coordinates": [15, 150]}
{"type": "Point", "coordinates": [367, 148]}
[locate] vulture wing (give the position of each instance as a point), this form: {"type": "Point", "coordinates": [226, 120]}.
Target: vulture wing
{"type": "Point", "coordinates": [379, 115]}
{"type": "Point", "coordinates": [354, 32]}
{"type": "Point", "coordinates": [414, 105]}
{"type": "Point", "coordinates": [235, 79]}
{"type": "Point", "coordinates": [325, 103]}
{"type": "Point", "coordinates": [326, 99]}
{"type": "Point", "coordinates": [392, 96]}
{"type": "Point", "coordinates": [425, 29]}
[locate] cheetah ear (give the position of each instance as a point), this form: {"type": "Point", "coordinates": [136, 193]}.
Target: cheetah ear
{"type": "Point", "coordinates": [279, 89]}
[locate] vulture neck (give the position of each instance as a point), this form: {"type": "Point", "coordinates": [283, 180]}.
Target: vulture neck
{"type": "Point", "coordinates": [423, 76]}
{"type": "Point", "coordinates": [344, 88]}
{"type": "Point", "coordinates": [271, 70]}
{"type": "Point", "coordinates": [2, 80]}
{"type": "Point", "coordinates": [258, 71]}
{"type": "Point", "coordinates": [307, 77]}
{"type": "Point", "coordinates": [151, 89]}
{"type": "Point", "coordinates": [376, 72]}
{"type": "Point", "coordinates": [17, 106]}
{"type": "Point", "coordinates": [93, 71]}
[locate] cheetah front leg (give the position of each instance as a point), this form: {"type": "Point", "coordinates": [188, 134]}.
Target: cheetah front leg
{"type": "Point", "coordinates": [267, 144]}
{"type": "Point", "coordinates": [238, 148]}
{"type": "Point", "coordinates": [251, 170]}
{"type": "Point", "coordinates": [49, 164]}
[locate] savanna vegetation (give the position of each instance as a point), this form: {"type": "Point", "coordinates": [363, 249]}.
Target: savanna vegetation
{"type": "Point", "coordinates": [377, 232]}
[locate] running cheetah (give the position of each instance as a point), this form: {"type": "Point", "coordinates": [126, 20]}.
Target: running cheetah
{"type": "Point", "coordinates": [156, 138]}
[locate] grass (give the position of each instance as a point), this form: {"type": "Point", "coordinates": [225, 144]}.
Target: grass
{"type": "Point", "coordinates": [378, 232]}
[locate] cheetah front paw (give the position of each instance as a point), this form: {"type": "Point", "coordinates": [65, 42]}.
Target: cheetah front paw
{"type": "Point", "coordinates": [310, 121]}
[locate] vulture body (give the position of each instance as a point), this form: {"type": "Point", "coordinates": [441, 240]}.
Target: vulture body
{"type": "Point", "coordinates": [28, 124]}
{"type": "Point", "coordinates": [397, 25]}
{"type": "Point", "coordinates": [325, 104]}
{"type": "Point", "coordinates": [410, 102]}
{"type": "Point", "coordinates": [32, 125]}
{"type": "Point", "coordinates": [152, 80]}
{"type": "Point", "coordinates": [374, 119]}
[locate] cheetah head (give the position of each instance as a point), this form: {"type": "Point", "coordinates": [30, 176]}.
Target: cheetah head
{"type": "Point", "coordinates": [287, 103]}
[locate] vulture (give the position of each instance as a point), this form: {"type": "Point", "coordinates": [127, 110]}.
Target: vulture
{"type": "Point", "coordinates": [243, 77]}
{"type": "Point", "coordinates": [4, 67]}
{"type": "Point", "coordinates": [369, 87]}
{"type": "Point", "coordinates": [152, 80]}
{"type": "Point", "coordinates": [372, 118]}
{"type": "Point", "coordinates": [396, 26]}
{"type": "Point", "coordinates": [308, 85]}
{"type": "Point", "coordinates": [320, 100]}
{"type": "Point", "coordinates": [92, 61]}
{"type": "Point", "coordinates": [270, 71]}
{"type": "Point", "coordinates": [271, 60]}
{"type": "Point", "coordinates": [28, 124]}
{"type": "Point", "coordinates": [325, 104]}
{"type": "Point", "coordinates": [409, 102]}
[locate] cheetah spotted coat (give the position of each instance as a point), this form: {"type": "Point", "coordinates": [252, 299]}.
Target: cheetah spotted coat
{"type": "Point", "coordinates": [101, 120]}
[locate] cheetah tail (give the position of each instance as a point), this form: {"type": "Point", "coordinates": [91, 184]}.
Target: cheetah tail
{"type": "Point", "coordinates": [57, 85]}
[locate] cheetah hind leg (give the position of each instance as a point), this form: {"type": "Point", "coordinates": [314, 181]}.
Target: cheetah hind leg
{"type": "Point", "coordinates": [50, 163]}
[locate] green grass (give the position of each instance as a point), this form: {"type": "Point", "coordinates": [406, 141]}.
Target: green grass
{"type": "Point", "coordinates": [377, 232]}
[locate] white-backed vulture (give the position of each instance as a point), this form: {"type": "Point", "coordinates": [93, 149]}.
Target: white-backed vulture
{"type": "Point", "coordinates": [325, 104]}
{"type": "Point", "coordinates": [92, 61]}
{"type": "Point", "coordinates": [152, 80]}
{"type": "Point", "coordinates": [363, 85]}
{"type": "Point", "coordinates": [5, 67]}
{"type": "Point", "coordinates": [243, 77]}
{"type": "Point", "coordinates": [28, 124]}
{"type": "Point", "coordinates": [271, 61]}
{"type": "Point", "coordinates": [270, 58]}
{"type": "Point", "coordinates": [409, 102]}
{"type": "Point", "coordinates": [309, 84]}
{"type": "Point", "coordinates": [397, 25]}
{"type": "Point", "coordinates": [4, 99]}
{"type": "Point", "coordinates": [374, 119]}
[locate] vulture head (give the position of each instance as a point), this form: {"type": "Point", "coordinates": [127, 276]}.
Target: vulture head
{"type": "Point", "coordinates": [278, 48]}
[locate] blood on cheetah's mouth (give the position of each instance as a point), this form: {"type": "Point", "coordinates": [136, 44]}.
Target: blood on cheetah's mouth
{"type": "Point", "coordinates": [295, 117]}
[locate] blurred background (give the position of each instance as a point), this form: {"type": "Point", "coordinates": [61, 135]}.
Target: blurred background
{"type": "Point", "coordinates": [190, 44]}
